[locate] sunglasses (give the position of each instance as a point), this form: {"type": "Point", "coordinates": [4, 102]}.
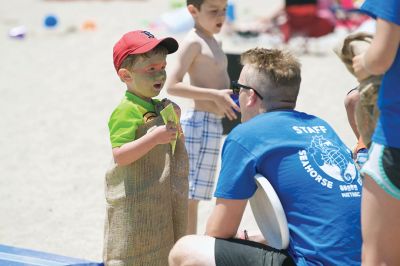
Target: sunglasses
{"type": "Point", "coordinates": [237, 86]}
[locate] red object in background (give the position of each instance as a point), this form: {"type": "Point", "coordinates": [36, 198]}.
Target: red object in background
{"type": "Point", "coordinates": [347, 4]}
{"type": "Point", "coordinates": [303, 20]}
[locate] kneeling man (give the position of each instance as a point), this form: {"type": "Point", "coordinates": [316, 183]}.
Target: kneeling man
{"type": "Point", "coordinates": [307, 164]}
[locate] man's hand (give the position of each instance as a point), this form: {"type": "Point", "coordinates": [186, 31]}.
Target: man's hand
{"type": "Point", "coordinates": [255, 236]}
{"type": "Point", "coordinates": [225, 103]}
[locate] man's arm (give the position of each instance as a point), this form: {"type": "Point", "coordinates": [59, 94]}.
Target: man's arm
{"type": "Point", "coordinates": [382, 52]}
{"type": "Point", "coordinates": [225, 219]}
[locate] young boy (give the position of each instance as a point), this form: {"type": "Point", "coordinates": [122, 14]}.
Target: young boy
{"type": "Point", "coordinates": [146, 187]}
{"type": "Point", "coordinates": [203, 59]}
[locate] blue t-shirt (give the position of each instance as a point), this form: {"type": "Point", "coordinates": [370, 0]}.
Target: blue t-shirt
{"type": "Point", "coordinates": [388, 127]}
{"type": "Point", "coordinates": [314, 176]}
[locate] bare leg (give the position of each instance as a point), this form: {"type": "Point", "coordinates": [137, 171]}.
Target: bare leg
{"type": "Point", "coordinates": [192, 217]}
{"type": "Point", "coordinates": [380, 219]}
{"type": "Point", "coordinates": [350, 103]}
{"type": "Point", "coordinates": [193, 250]}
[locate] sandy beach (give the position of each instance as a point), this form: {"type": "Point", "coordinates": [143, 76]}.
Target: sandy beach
{"type": "Point", "coordinates": [57, 90]}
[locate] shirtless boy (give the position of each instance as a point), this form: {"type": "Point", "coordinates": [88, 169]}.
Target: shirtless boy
{"type": "Point", "coordinates": [201, 56]}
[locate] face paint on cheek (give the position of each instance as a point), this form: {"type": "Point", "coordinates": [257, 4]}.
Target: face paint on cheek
{"type": "Point", "coordinates": [155, 75]}
{"type": "Point", "coordinates": [160, 75]}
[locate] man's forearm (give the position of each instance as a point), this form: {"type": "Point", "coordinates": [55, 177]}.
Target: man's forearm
{"type": "Point", "coordinates": [225, 218]}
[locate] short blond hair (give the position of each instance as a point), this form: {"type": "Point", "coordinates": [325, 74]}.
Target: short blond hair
{"type": "Point", "coordinates": [130, 60]}
{"type": "Point", "coordinates": [281, 73]}
{"type": "Point", "coordinates": [280, 67]}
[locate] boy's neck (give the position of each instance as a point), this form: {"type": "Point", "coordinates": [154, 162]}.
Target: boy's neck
{"type": "Point", "coordinates": [201, 31]}
{"type": "Point", "coordinates": [150, 100]}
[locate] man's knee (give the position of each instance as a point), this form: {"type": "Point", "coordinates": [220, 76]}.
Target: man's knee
{"type": "Point", "coordinates": [180, 253]}
{"type": "Point", "coordinates": [192, 250]}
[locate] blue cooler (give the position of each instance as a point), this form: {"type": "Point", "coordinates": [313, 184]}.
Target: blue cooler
{"type": "Point", "coordinates": [13, 256]}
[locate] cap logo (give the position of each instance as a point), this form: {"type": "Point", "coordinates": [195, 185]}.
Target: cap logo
{"type": "Point", "coordinates": [148, 34]}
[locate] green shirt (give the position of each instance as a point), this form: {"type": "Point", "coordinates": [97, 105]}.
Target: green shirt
{"type": "Point", "coordinates": [127, 117]}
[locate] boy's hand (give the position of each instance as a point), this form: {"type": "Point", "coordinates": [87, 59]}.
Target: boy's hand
{"type": "Point", "coordinates": [359, 69]}
{"type": "Point", "coordinates": [165, 134]}
{"type": "Point", "coordinates": [225, 103]}
{"type": "Point", "coordinates": [176, 107]}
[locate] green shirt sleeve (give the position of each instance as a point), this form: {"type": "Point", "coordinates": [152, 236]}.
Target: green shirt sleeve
{"type": "Point", "coordinates": [123, 124]}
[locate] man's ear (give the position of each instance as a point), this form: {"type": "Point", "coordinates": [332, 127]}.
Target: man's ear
{"type": "Point", "coordinates": [124, 75]}
{"type": "Point", "coordinates": [252, 98]}
{"type": "Point", "coordinates": [192, 10]}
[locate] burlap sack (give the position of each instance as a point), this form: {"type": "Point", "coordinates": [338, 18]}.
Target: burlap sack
{"type": "Point", "coordinates": [367, 111]}
{"type": "Point", "coordinates": [146, 205]}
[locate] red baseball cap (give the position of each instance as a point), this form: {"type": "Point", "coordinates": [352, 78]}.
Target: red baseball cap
{"type": "Point", "coordinates": [139, 42]}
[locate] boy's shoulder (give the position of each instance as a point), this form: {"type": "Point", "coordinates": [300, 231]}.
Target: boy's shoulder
{"type": "Point", "coordinates": [123, 108]}
{"type": "Point", "coordinates": [192, 37]}
{"type": "Point", "coordinates": [131, 105]}
{"type": "Point", "coordinates": [195, 36]}
{"type": "Point", "coordinates": [195, 42]}
{"type": "Point", "coordinates": [190, 46]}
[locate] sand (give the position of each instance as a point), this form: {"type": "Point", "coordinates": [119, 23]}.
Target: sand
{"type": "Point", "coordinates": [57, 90]}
